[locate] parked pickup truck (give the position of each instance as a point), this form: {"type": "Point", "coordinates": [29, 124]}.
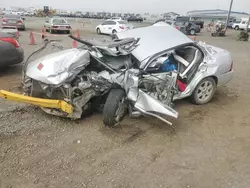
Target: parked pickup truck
{"type": "Point", "coordinates": [242, 24]}
{"type": "Point", "coordinates": [188, 19]}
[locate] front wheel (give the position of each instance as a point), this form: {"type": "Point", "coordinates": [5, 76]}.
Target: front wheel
{"type": "Point", "coordinates": [114, 108]}
{"type": "Point", "coordinates": [204, 91]}
{"type": "Point", "coordinates": [192, 32]}
{"type": "Point", "coordinates": [98, 31]}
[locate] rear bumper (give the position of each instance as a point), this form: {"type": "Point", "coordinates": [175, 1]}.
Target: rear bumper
{"type": "Point", "coordinates": [46, 103]}
{"type": "Point", "coordinates": [18, 26]}
{"type": "Point", "coordinates": [225, 78]}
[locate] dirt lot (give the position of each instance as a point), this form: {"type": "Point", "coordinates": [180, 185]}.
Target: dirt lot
{"type": "Point", "coordinates": [208, 148]}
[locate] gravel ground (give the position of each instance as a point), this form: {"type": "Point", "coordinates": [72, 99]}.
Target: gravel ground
{"type": "Point", "coordinates": [207, 148]}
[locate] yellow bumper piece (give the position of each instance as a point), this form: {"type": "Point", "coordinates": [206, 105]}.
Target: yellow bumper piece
{"type": "Point", "coordinates": [47, 103]}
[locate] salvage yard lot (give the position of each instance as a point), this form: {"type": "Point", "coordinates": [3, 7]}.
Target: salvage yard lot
{"type": "Point", "coordinates": [207, 147]}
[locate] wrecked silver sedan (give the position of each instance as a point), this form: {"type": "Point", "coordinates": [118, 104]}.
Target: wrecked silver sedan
{"type": "Point", "coordinates": [143, 71]}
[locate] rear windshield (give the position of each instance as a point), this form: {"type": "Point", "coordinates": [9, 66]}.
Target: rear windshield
{"type": "Point", "coordinates": [59, 21]}
{"type": "Point", "coordinates": [122, 22]}
{"type": "Point", "coordinates": [12, 16]}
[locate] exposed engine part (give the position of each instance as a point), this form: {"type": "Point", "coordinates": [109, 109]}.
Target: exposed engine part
{"type": "Point", "coordinates": [160, 87]}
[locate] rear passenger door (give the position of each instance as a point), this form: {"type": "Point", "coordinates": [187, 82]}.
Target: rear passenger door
{"type": "Point", "coordinates": [110, 26]}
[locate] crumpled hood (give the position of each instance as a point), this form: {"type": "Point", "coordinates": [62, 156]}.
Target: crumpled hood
{"type": "Point", "coordinates": [59, 67]}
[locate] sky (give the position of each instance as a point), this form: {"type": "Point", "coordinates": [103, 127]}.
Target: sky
{"type": "Point", "coordinates": [135, 6]}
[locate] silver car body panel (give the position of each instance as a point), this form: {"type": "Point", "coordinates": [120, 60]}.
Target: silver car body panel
{"type": "Point", "coordinates": [59, 67]}
{"type": "Point", "coordinates": [154, 39]}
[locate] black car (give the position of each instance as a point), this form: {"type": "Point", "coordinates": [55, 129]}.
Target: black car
{"type": "Point", "coordinates": [188, 27]}
{"type": "Point", "coordinates": [135, 19]}
{"type": "Point", "coordinates": [10, 51]}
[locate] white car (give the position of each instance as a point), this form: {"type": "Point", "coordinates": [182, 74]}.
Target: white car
{"type": "Point", "coordinates": [113, 27]}
{"type": "Point", "coordinates": [115, 18]}
{"type": "Point", "coordinates": [241, 24]}
{"type": "Point", "coordinates": [57, 24]}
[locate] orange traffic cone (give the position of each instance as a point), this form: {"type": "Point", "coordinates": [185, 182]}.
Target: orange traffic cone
{"type": "Point", "coordinates": [43, 32]}
{"type": "Point", "coordinates": [17, 33]}
{"type": "Point", "coordinates": [32, 40]}
{"type": "Point", "coordinates": [74, 44]}
{"type": "Point", "coordinates": [78, 34]}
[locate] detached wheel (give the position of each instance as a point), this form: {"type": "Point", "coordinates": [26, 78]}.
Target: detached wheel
{"type": "Point", "coordinates": [204, 91]}
{"type": "Point", "coordinates": [98, 31]}
{"type": "Point", "coordinates": [114, 108]}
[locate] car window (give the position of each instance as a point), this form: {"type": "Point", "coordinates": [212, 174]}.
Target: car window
{"type": "Point", "coordinates": [12, 16]}
{"type": "Point", "coordinates": [105, 23]}
{"type": "Point", "coordinates": [237, 22]}
{"type": "Point", "coordinates": [170, 23]}
{"type": "Point", "coordinates": [178, 23]}
{"type": "Point", "coordinates": [122, 22]}
{"type": "Point", "coordinates": [59, 21]}
{"type": "Point", "coordinates": [243, 22]}
{"type": "Point", "coordinates": [111, 23]}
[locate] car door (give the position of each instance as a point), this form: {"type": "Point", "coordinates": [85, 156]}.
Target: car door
{"type": "Point", "coordinates": [243, 25]}
{"type": "Point", "coordinates": [110, 27]}
{"type": "Point", "coordinates": [103, 27]}
{"type": "Point", "coordinates": [47, 23]}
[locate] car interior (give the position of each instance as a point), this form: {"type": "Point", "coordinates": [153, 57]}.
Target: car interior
{"type": "Point", "coordinates": [186, 60]}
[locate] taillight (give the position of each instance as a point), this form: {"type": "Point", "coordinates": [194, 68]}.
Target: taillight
{"type": "Point", "coordinates": [121, 27]}
{"type": "Point", "coordinates": [12, 41]}
{"type": "Point", "coordinates": [177, 27]}
{"type": "Point", "coordinates": [68, 27]}
{"type": "Point", "coordinates": [4, 20]}
{"type": "Point", "coordinates": [19, 21]}
{"type": "Point", "coordinates": [231, 67]}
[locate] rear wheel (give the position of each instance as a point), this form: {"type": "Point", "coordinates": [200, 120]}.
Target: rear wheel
{"type": "Point", "coordinates": [204, 91]}
{"type": "Point", "coordinates": [237, 27]}
{"type": "Point", "coordinates": [192, 32]}
{"type": "Point", "coordinates": [114, 108]}
{"type": "Point", "coordinates": [98, 31]}
{"type": "Point", "coordinates": [114, 31]}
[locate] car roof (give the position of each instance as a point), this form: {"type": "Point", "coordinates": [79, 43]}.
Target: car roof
{"type": "Point", "coordinates": [3, 34]}
{"type": "Point", "coordinates": [155, 39]}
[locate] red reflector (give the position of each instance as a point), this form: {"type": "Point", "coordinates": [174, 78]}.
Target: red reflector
{"type": "Point", "coordinates": [19, 21]}
{"type": "Point", "coordinates": [231, 68]}
{"type": "Point", "coordinates": [11, 40]}
{"type": "Point", "coordinates": [121, 27]}
{"type": "Point", "coordinates": [40, 66]}
{"type": "Point", "coordinates": [182, 86]}
{"type": "Point", "coordinates": [4, 20]}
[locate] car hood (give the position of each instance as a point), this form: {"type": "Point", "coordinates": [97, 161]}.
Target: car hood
{"type": "Point", "coordinates": [155, 39]}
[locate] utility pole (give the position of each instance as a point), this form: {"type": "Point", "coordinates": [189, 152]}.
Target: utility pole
{"type": "Point", "coordinates": [229, 12]}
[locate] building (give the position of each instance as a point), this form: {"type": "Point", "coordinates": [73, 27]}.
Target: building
{"type": "Point", "coordinates": [170, 15]}
{"type": "Point", "coordinates": [216, 14]}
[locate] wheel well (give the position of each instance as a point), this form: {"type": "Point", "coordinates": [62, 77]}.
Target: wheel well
{"type": "Point", "coordinates": [215, 79]}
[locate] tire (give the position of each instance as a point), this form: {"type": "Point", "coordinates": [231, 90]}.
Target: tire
{"type": "Point", "coordinates": [237, 27]}
{"type": "Point", "coordinates": [114, 31]}
{"type": "Point", "coordinates": [98, 31]}
{"type": "Point", "coordinates": [114, 103]}
{"type": "Point", "coordinates": [192, 32]}
{"type": "Point", "coordinates": [202, 94]}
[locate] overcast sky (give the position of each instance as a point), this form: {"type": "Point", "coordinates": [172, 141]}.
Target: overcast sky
{"type": "Point", "coordinates": [140, 6]}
